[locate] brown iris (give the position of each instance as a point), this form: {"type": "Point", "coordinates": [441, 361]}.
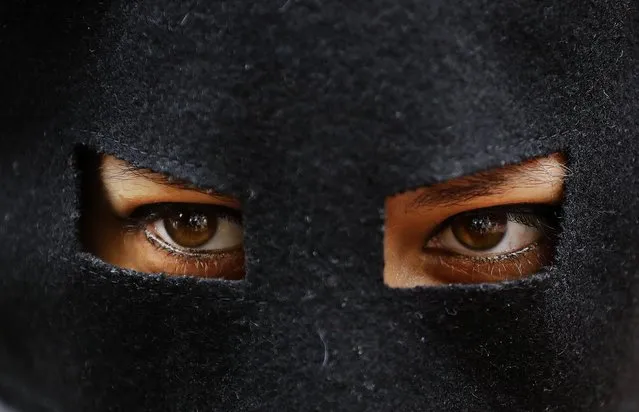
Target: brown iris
{"type": "Point", "coordinates": [480, 232]}
{"type": "Point", "coordinates": [190, 229]}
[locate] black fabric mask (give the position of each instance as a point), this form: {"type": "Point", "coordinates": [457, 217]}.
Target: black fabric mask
{"type": "Point", "coordinates": [312, 112]}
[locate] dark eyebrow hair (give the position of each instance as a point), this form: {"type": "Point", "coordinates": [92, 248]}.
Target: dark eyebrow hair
{"type": "Point", "coordinates": [168, 180]}
{"type": "Point", "coordinates": [486, 183]}
{"type": "Point", "coordinates": [159, 178]}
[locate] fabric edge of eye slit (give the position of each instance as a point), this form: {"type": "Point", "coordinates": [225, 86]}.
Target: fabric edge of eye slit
{"type": "Point", "coordinates": [541, 276]}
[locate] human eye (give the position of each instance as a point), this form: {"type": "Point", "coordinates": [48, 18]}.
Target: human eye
{"type": "Point", "coordinates": [493, 244]}
{"type": "Point", "coordinates": [197, 238]}
{"type": "Point", "coordinates": [190, 228]}
{"type": "Point", "coordinates": [139, 220]}
{"type": "Point", "coordinates": [498, 225]}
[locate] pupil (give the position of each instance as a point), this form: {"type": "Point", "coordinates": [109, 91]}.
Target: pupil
{"type": "Point", "coordinates": [195, 221]}
{"type": "Point", "coordinates": [190, 229]}
{"type": "Point", "coordinates": [480, 232]}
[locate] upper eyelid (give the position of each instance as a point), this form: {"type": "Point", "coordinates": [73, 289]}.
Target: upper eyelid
{"type": "Point", "coordinates": [152, 211]}
{"type": "Point", "coordinates": [522, 208]}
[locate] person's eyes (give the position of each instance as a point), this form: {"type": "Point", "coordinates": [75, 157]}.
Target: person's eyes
{"type": "Point", "coordinates": [494, 226]}
{"type": "Point", "coordinates": [498, 225]}
{"type": "Point", "coordinates": [496, 232]}
{"type": "Point", "coordinates": [493, 243]}
{"type": "Point", "coordinates": [139, 220]}
{"type": "Point", "coordinates": [190, 229]}
{"type": "Point", "coordinates": [200, 235]}
{"type": "Point", "coordinates": [203, 240]}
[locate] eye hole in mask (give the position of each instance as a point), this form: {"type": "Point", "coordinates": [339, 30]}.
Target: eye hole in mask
{"type": "Point", "coordinates": [137, 219]}
{"type": "Point", "coordinates": [493, 226]}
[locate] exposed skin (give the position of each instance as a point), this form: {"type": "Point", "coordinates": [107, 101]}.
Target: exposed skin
{"type": "Point", "coordinates": [414, 255]}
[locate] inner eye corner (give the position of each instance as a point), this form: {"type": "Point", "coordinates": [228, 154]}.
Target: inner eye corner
{"type": "Point", "coordinates": [511, 228]}
{"type": "Point", "coordinates": [118, 208]}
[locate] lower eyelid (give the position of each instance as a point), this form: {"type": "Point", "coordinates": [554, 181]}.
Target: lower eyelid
{"type": "Point", "coordinates": [441, 252]}
{"type": "Point", "coordinates": [443, 255]}
{"type": "Point", "coordinates": [227, 264]}
{"type": "Point", "coordinates": [504, 256]}
{"type": "Point", "coordinates": [452, 268]}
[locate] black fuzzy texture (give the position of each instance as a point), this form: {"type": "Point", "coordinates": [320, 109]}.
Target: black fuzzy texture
{"type": "Point", "coordinates": [312, 112]}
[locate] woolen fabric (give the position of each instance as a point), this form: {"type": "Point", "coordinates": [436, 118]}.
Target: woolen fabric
{"type": "Point", "coordinates": [312, 112]}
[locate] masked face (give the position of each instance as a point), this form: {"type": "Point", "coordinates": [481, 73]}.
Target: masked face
{"type": "Point", "coordinates": [300, 206]}
{"type": "Point", "coordinates": [495, 226]}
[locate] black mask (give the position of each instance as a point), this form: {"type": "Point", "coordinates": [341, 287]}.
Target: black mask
{"type": "Point", "coordinates": [312, 112]}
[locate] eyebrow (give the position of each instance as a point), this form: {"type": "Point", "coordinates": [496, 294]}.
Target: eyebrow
{"type": "Point", "coordinates": [491, 182]}
{"type": "Point", "coordinates": [130, 172]}
{"type": "Point", "coordinates": [488, 183]}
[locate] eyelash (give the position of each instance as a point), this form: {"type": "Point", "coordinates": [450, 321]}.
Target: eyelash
{"type": "Point", "coordinates": [540, 216]}
{"type": "Point", "coordinates": [143, 215]}
{"type": "Point", "coordinates": [500, 258]}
